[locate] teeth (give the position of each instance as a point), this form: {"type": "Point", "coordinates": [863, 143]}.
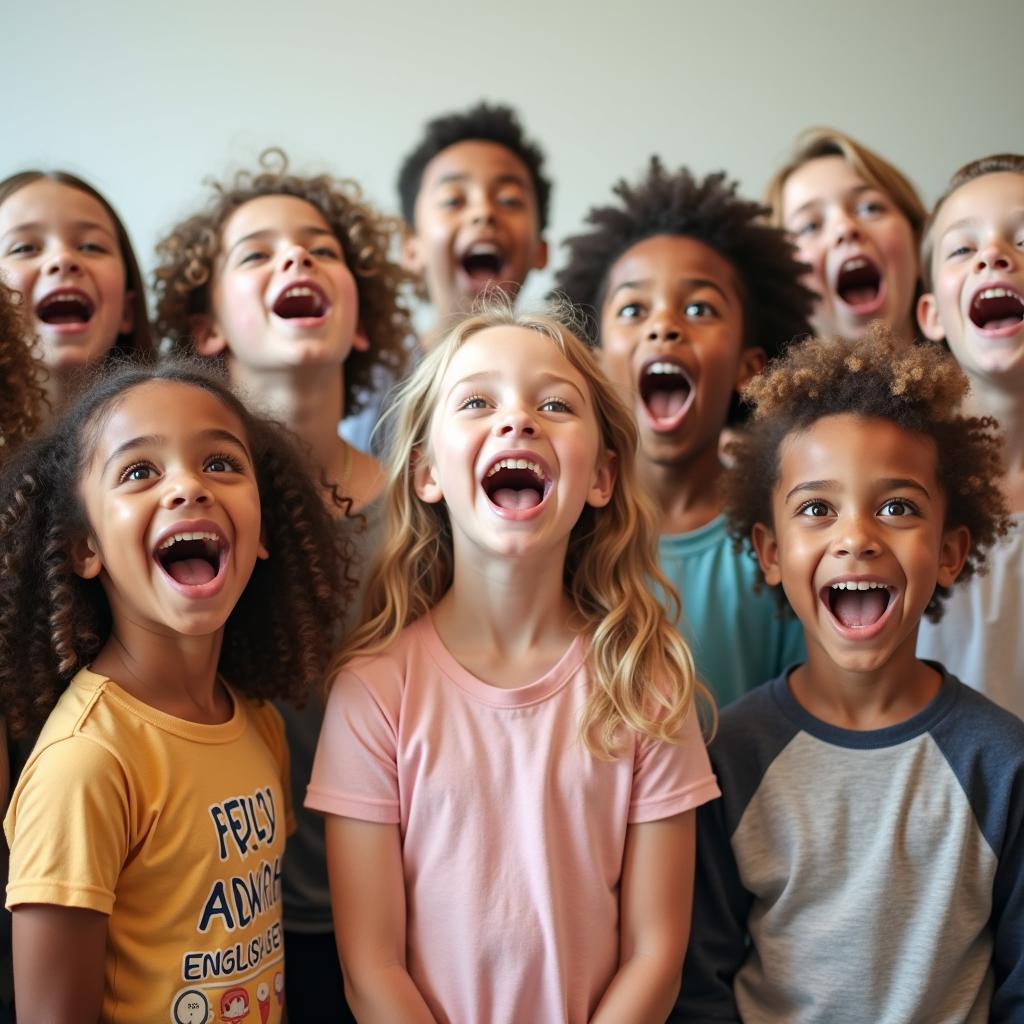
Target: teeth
{"type": "Point", "coordinates": [859, 585]}
{"type": "Point", "coordinates": [483, 249]}
{"type": "Point", "coordinates": [516, 464]}
{"type": "Point", "coordinates": [664, 368]}
{"type": "Point", "coordinates": [297, 291]}
{"type": "Point", "coordinates": [998, 293]}
{"type": "Point", "coordinates": [188, 536]}
{"type": "Point", "coordinates": [855, 264]}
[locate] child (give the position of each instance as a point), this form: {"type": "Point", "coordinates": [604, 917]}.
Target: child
{"type": "Point", "coordinates": [691, 291]}
{"type": "Point", "coordinates": [159, 537]}
{"type": "Point", "coordinates": [865, 863]}
{"type": "Point", "coordinates": [509, 760]}
{"type": "Point", "coordinates": [65, 249]}
{"type": "Point", "coordinates": [973, 268]}
{"type": "Point", "coordinates": [475, 201]}
{"type": "Point", "coordinates": [22, 398]}
{"type": "Point", "coordinates": [857, 222]}
{"type": "Point", "coordinates": [287, 279]}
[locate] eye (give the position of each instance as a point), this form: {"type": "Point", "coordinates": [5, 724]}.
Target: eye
{"type": "Point", "coordinates": [871, 207]}
{"type": "Point", "coordinates": [700, 310]}
{"type": "Point", "coordinates": [451, 202]}
{"type": "Point", "coordinates": [814, 509]}
{"type": "Point", "coordinates": [961, 250]}
{"type": "Point", "coordinates": [93, 247]}
{"type": "Point", "coordinates": [326, 252]}
{"type": "Point", "coordinates": [137, 472]}
{"type": "Point", "coordinates": [251, 256]}
{"type": "Point", "coordinates": [511, 202]}
{"type": "Point", "coordinates": [473, 402]}
{"type": "Point", "coordinates": [21, 249]}
{"type": "Point", "coordinates": [631, 311]}
{"type": "Point", "coordinates": [805, 228]}
{"type": "Point", "coordinates": [898, 507]}
{"type": "Point", "coordinates": [555, 405]}
{"type": "Point", "coordinates": [223, 464]}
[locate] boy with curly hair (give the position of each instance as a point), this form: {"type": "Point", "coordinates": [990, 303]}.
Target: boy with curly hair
{"type": "Point", "coordinates": [972, 263]}
{"type": "Point", "coordinates": [287, 279]}
{"type": "Point", "coordinates": [866, 861]}
{"type": "Point", "coordinates": [475, 201]}
{"type": "Point", "coordinates": [691, 291]}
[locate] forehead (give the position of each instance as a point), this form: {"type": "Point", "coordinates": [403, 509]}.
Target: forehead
{"type": "Point", "coordinates": [852, 449]}
{"type": "Point", "coordinates": [988, 198]}
{"type": "Point", "coordinates": [167, 408]}
{"type": "Point", "coordinates": [53, 203]}
{"type": "Point", "coordinates": [279, 213]}
{"type": "Point", "coordinates": [514, 353]}
{"type": "Point", "coordinates": [669, 259]}
{"type": "Point", "coordinates": [475, 162]}
{"type": "Point", "coordinates": [819, 180]}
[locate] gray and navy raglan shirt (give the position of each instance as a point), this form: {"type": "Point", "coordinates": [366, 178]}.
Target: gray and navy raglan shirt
{"type": "Point", "coordinates": [864, 877]}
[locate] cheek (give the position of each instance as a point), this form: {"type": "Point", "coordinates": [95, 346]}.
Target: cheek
{"type": "Point", "coordinates": [19, 277]}
{"type": "Point", "coordinates": [238, 304]}
{"type": "Point", "coordinates": [112, 288]}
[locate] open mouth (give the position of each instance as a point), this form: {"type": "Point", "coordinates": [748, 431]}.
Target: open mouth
{"type": "Point", "coordinates": [300, 302]}
{"type": "Point", "coordinates": [858, 604]}
{"type": "Point", "coordinates": [666, 391]}
{"type": "Point", "coordinates": [65, 307]}
{"type": "Point", "coordinates": [997, 309]}
{"type": "Point", "coordinates": [483, 262]}
{"type": "Point", "coordinates": [859, 283]}
{"type": "Point", "coordinates": [192, 559]}
{"type": "Point", "coordinates": [515, 484]}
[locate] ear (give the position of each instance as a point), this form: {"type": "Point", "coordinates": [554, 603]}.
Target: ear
{"type": "Point", "coordinates": [956, 545]}
{"type": "Point", "coordinates": [424, 480]}
{"type": "Point", "coordinates": [751, 363]}
{"type": "Point", "coordinates": [767, 549]}
{"type": "Point", "coordinates": [127, 323]}
{"type": "Point", "coordinates": [207, 338]}
{"type": "Point", "coordinates": [603, 483]}
{"type": "Point", "coordinates": [85, 558]}
{"type": "Point", "coordinates": [360, 342]}
{"type": "Point", "coordinates": [928, 317]}
{"type": "Point", "coordinates": [411, 257]}
{"type": "Point", "coordinates": [540, 259]}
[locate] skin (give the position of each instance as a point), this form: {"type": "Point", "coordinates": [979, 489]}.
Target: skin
{"type": "Point", "coordinates": [860, 499]}
{"type": "Point", "coordinates": [506, 619]}
{"type": "Point", "coordinates": [54, 237]}
{"type": "Point", "coordinates": [472, 192]}
{"type": "Point", "coordinates": [292, 368]}
{"type": "Point", "coordinates": [674, 298]}
{"type": "Point", "coordinates": [978, 241]}
{"type": "Point", "coordinates": [834, 215]}
{"type": "Point", "coordinates": [186, 458]}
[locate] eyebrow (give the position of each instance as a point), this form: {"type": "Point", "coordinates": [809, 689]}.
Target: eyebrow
{"type": "Point", "coordinates": [309, 231]}
{"type": "Point", "coordinates": [889, 483]}
{"type": "Point", "coordinates": [457, 177]}
{"type": "Point", "coordinates": [546, 378]}
{"type": "Point", "coordinates": [80, 225]}
{"type": "Point", "coordinates": [692, 282]}
{"type": "Point", "coordinates": [151, 440]}
{"type": "Point", "coordinates": [855, 191]}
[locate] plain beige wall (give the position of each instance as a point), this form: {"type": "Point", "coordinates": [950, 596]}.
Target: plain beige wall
{"type": "Point", "coordinates": [145, 100]}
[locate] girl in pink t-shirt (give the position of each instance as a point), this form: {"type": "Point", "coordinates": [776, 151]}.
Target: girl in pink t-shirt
{"type": "Point", "coordinates": [510, 759]}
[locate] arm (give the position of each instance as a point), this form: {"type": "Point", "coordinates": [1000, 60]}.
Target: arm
{"type": "Point", "coordinates": [364, 862]}
{"type": "Point", "coordinates": [59, 955]}
{"type": "Point", "coordinates": [654, 921]}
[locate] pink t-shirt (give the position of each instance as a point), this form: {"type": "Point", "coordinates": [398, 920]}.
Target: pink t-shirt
{"type": "Point", "coordinates": [512, 834]}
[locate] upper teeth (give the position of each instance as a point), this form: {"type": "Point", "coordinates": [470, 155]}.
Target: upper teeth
{"type": "Point", "coordinates": [53, 299]}
{"type": "Point", "coordinates": [483, 249]}
{"type": "Point", "coordinates": [174, 538]}
{"type": "Point", "coordinates": [296, 291]}
{"type": "Point", "coordinates": [859, 585]}
{"type": "Point", "coordinates": [855, 264]}
{"type": "Point", "coordinates": [664, 368]}
{"type": "Point", "coordinates": [516, 464]}
{"type": "Point", "coordinates": [999, 293]}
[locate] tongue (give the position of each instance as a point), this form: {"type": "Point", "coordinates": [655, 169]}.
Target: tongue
{"type": "Point", "coordinates": [860, 607]}
{"type": "Point", "coordinates": [860, 296]}
{"type": "Point", "coordinates": [666, 404]}
{"type": "Point", "coordinates": [192, 571]}
{"type": "Point", "coordinates": [516, 501]}
{"type": "Point", "coordinates": [1006, 321]}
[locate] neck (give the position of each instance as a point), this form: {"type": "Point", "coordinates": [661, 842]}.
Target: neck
{"type": "Point", "coordinates": [862, 700]}
{"type": "Point", "coordinates": [986, 400]}
{"type": "Point", "coordinates": [686, 493]}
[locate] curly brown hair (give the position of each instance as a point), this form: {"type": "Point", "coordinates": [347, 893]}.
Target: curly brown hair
{"type": "Point", "coordinates": [22, 397]}
{"type": "Point", "coordinates": [917, 386]}
{"type": "Point", "coordinates": [186, 257]}
{"type": "Point", "coordinates": [278, 637]}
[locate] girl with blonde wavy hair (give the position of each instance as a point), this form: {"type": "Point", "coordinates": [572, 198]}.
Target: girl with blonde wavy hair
{"type": "Point", "coordinates": [510, 759]}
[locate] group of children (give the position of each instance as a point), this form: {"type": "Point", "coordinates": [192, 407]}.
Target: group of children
{"type": "Point", "coordinates": [599, 648]}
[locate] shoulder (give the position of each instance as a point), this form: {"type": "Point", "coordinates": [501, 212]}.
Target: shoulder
{"type": "Point", "coordinates": [266, 720]}
{"type": "Point", "coordinates": [384, 669]}
{"type": "Point", "coordinates": [972, 719]}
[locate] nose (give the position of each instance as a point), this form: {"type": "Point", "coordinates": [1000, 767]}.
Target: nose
{"type": "Point", "coordinates": [993, 256]}
{"type": "Point", "coordinates": [516, 421]}
{"type": "Point", "coordinates": [481, 210]}
{"type": "Point", "coordinates": [856, 538]}
{"type": "Point", "coordinates": [845, 228]}
{"type": "Point", "coordinates": [185, 487]}
{"type": "Point", "coordinates": [664, 327]}
{"type": "Point", "coordinates": [63, 260]}
{"type": "Point", "coordinates": [296, 257]}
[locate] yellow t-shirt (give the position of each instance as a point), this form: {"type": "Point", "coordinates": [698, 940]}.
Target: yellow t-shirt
{"type": "Point", "coordinates": [175, 830]}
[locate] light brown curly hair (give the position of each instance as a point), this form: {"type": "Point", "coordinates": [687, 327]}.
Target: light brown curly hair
{"type": "Point", "coordinates": [917, 386]}
{"type": "Point", "coordinates": [22, 397]}
{"type": "Point", "coordinates": [186, 257]}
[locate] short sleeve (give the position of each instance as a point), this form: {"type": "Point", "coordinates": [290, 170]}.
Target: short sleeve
{"type": "Point", "coordinates": [669, 778]}
{"type": "Point", "coordinates": [270, 725]}
{"type": "Point", "coordinates": [68, 827]}
{"type": "Point", "coordinates": [355, 771]}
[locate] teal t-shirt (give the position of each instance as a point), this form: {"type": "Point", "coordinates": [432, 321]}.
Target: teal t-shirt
{"type": "Point", "coordinates": [737, 638]}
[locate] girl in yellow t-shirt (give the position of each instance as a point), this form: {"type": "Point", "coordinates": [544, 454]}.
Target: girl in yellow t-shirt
{"type": "Point", "coordinates": [167, 567]}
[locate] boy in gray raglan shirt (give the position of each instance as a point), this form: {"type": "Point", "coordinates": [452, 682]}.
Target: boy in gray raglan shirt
{"type": "Point", "coordinates": [866, 861]}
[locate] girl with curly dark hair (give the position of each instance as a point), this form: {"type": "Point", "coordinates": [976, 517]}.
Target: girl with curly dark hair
{"type": "Point", "coordinates": [168, 567]}
{"type": "Point", "coordinates": [287, 280]}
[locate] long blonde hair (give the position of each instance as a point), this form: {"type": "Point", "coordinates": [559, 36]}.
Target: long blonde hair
{"type": "Point", "coordinates": [641, 668]}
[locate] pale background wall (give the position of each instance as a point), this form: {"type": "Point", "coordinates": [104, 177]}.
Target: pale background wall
{"type": "Point", "coordinates": [144, 100]}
